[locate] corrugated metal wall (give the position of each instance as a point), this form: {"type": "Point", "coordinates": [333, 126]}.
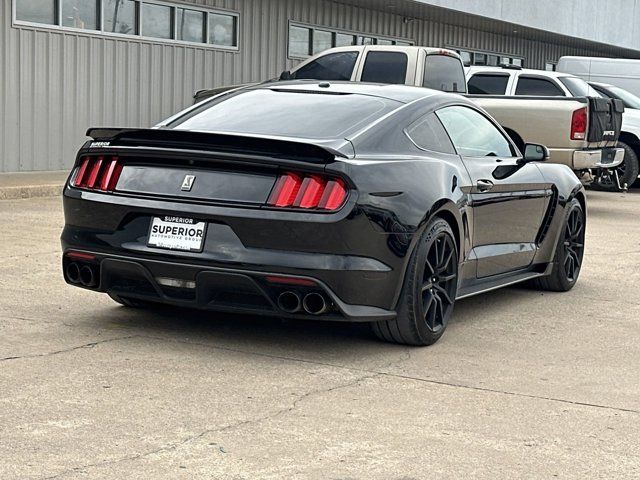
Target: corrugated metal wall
{"type": "Point", "coordinates": [56, 84]}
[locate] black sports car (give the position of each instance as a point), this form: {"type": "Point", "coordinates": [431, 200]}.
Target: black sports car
{"type": "Point", "coordinates": [347, 202]}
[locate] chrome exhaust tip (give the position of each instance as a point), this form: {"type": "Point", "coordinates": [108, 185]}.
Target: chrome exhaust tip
{"type": "Point", "coordinates": [73, 272]}
{"type": "Point", "coordinates": [87, 277]}
{"type": "Point", "coordinates": [289, 302]}
{"type": "Point", "coordinates": [315, 304]}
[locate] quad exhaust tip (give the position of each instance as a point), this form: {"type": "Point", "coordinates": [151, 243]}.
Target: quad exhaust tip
{"type": "Point", "coordinates": [73, 272]}
{"type": "Point", "coordinates": [81, 274]}
{"type": "Point", "coordinates": [87, 276]}
{"type": "Point", "coordinates": [289, 302]}
{"type": "Point", "coordinates": [315, 304]}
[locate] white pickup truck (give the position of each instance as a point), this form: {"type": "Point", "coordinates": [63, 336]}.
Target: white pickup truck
{"type": "Point", "coordinates": [580, 132]}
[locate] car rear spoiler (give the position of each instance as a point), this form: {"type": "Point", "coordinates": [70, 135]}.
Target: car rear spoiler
{"type": "Point", "coordinates": [284, 148]}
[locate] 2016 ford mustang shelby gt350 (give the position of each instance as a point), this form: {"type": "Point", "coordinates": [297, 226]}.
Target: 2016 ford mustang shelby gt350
{"type": "Point", "coordinates": [348, 202]}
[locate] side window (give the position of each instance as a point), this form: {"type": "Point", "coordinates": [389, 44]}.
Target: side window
{"type": "Point", "coordinates": [538, 87]}
{"type": "Point", "coordinates": [483, 84]}
{"type": "Point", "coordinates": [385, 67]}
{"type": "Point", "coordinates": [429, 134]}
{"type": "Point", "coordinates": [335, 66]}
{"type": "Point", "coordinates": [473, 134]}
{"type": "Point", "coordinates": [442, 72]}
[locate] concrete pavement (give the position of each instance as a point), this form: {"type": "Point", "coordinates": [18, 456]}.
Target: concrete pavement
{"type": "Point", "coordinates": [31, 184]}
{"type": "Point", "coordinates": [524, 384]}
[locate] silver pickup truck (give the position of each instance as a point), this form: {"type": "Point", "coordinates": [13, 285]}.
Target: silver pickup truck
{"type": "Point", "coordinates": [507, 92]}
{"type": "Point", "coordinates": [580, 132]}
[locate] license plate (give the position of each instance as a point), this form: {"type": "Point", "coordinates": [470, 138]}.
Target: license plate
{"type": "Point", "coordinates": [176, 233]}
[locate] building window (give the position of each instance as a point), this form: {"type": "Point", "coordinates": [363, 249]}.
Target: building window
{"type": "Point", "coordinates": [299, 41]}
{"type": "Point", "coordinates": [156, 21]}
{"type": "Point", "coordinates": [120, 16]}
{"type": "Point", "coordinates": [152, 19]}
{"type": "Point", "coordinates": [190, 25]}
{"type": "Point", "coordinates": [223, 30]}
{"type": "Point", "coordinates": [80, 14]}
{"type": "Point", "coordinates": [479, 59]}
{"type": "Point", "coordinates": [322, 40]}
{"type": "Point", "coordinates": [306, 40]}
{"type": "Point", "coordinates": [345, 40]}
{"type": "Point", "coordinates": [470, 57]}
{"type": "Point", "coordinates": [36, 11]}
{"type": "Point", "coordinates": [493, 60]}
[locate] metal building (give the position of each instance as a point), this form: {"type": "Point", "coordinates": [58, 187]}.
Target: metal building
{"type": "Point", "coordinates": [66, 65]}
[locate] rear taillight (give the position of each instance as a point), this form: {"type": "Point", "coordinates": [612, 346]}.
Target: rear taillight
{"type": "Point", "coordinates": [579, 124]}
{"type": "Point", "coordinates": [294, 190]}
{"type": "Point", "coordinates": [98, 173]}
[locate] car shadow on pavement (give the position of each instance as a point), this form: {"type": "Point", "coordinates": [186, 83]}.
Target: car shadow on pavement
{"type": "Point", "coordinates": [172, 323]}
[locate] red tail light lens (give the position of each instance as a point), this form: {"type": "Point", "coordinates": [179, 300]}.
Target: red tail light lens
{"type": "Point", "coordinates": [579, 124]}
{"type": "Point", "coordinates": [293, 190]}
{"type": "Point", "coordinates": [98, 173]}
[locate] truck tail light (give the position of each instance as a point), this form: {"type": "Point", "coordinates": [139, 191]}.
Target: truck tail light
{"type": "Point", "coordinates": [98, 173]}
{"type": "Point", "coordinates": [579, 124]}
{"type": "Point", "coordinates": [308, 192]}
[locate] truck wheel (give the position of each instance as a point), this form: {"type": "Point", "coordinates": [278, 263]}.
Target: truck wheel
{"type": "Point", "coordinates": [567, 261]}
{"type": "Point", "coordinates": [627, 171]}
{"type": "Point", "coordinates": [429, 290]}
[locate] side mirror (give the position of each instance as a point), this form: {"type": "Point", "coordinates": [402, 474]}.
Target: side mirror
{"type": "Point", "coordinates": [535, 153]}
{"type": "Point", "coordinates": [286, 75]}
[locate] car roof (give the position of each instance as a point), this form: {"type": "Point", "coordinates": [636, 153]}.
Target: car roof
{"type": "Point", "coordinates": [530, 71]}
{"type": "Point", "coordinates": [599, 84]}
{"type": "Point", "coordinates": [388, 48]}
{"type": "Point", "coordinates": [398, 93]}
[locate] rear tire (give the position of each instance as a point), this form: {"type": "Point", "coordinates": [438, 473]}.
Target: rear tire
{"type": "Point", "coordinates": [569, 255]}
{"type": "Point", "coordinates": [429, 290]}
{"type": "Point", "coordinates": [627, 171]}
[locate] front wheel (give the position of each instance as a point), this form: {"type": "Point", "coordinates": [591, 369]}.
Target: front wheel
{"type": "Point", "coordinates": [429, 291]}
{"type": "Point", "coordinates": [567, 262]}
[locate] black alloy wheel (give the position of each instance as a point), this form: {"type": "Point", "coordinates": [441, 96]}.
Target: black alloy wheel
{"type": "Point", "coordinates": [439, 282]}
{"type": "Point", "coordinates": [569, 256]}
{"type": "Point", "coordinates": [429, 291]}
{"type": "Point", "coordinates": [574, 244]}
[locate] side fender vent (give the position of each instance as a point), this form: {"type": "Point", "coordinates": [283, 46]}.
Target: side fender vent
{"type": "Point", "coordinates": [548, 217]}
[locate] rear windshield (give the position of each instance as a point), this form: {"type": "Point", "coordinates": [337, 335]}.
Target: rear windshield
{"type": "Point", "coordinates": [578, 87]}
{"type": "Point", "coordinates": [385, 67]}
{"type": "Point", "coordinates": [287, 113]}
{"type": "Point", "coordinates": [333, 66]}
{"type": "Point", "coordinates": [628, 98]}
{"type": "Point", "coordinates": [444, 73]}
{"type": "Point", "coordinates": [488, 84]}
{"type": "Point", "coordinates": [538, 87]}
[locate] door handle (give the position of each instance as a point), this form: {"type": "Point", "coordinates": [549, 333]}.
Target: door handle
{"type": "Point", "coordinates": [484, 185]}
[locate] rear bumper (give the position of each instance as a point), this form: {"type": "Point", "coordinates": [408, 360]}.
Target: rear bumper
{"type": "Point", "coordinates": [210, 288]}
{"type": "Point", "coordinates": [604, 158]}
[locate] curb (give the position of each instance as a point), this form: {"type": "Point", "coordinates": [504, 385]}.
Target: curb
{"type": "Point", "coordinates": [30, 191]}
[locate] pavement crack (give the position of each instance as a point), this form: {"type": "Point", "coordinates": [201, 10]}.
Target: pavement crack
{"type": "Point", "coordinates": [507, 392]}
{"type": "Point", "coordinates": [67, 350]}
{"type": "Point", "coordinates": [203, 433]}
{"type": "Point", "coordinates": [406, 356]}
